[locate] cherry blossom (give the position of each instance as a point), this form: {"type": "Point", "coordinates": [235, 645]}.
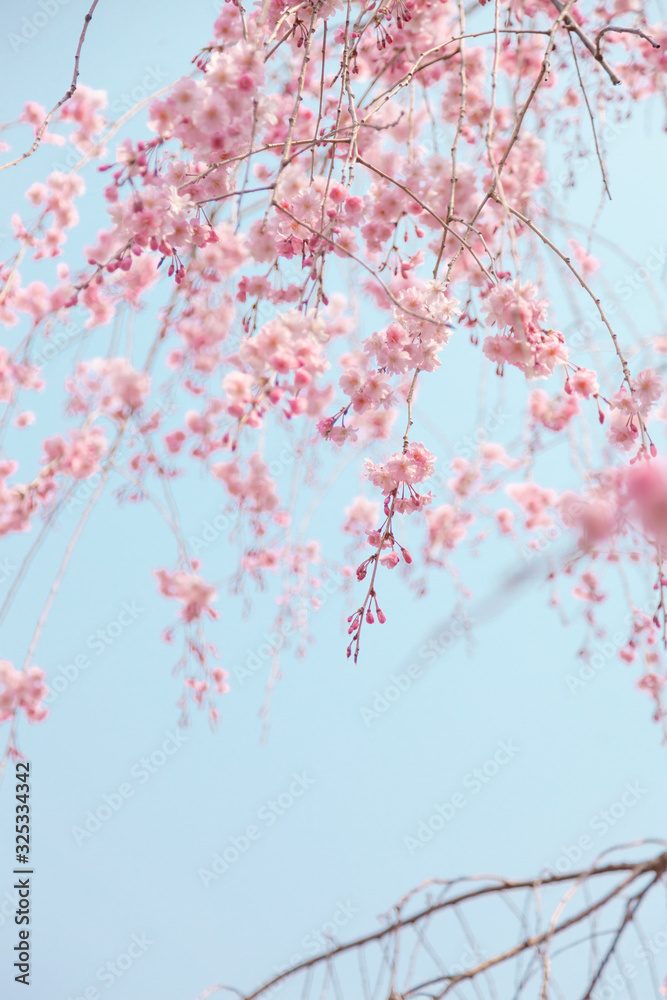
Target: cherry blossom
{"type": "Point", "coordinates": [332, 219]}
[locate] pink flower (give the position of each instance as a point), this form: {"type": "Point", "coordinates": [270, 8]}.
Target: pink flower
{"type": "Point", "coordinates": [174, 441]}
{"type": "Point", "coordinates": [114, 384]}
{"type": "Point", "coordinates": [380, 476]}
{"type": "Point", "coordinates": [447, 527]}
{"type": "Point", "coordinates": [220, 678]}
{"type": "Point", "coordinates": [535, 500]}
{"type": "Point", "coordinates": [648, 386]}
{"type": "Point", "coordinates": [492, 452]}
{"type": "Point", "coordinates": [516, 306]}
{"type": "Point", "coordinates": [402, 468]}
{"type": "Point", "coordinates": [258, 489]}
{"type": "Point", "coordinates": [505, 519]}
{"type": "Point", "coordinates": [623, 431]}
{"type": "Point", "coordinates": [22, 690]}
{"type": "Point", "coordinates": [191, 590]}
{"type": "Point", "coordinates": [389, 559]}
{"type": "Point", "coordinates": [24, 419]}
{"type": "Point", "coordinates": [33, 113]}
{"type": "Point", "coordinates": [554, 414]}
{"type": "Point", "coordinates": [587, 589]}
{"type": "Point", "coordinates": [584, 382]}
{"type": "Point", "coordinates": [587, 263]}
{"type": "Point", "coordinates": [80, 456]}
{"type": "Point", "coordinates": [237, 387]}
{"type": "Point", "coordinates": [360, 516]}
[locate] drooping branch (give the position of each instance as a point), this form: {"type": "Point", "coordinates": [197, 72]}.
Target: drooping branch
{"type": "Point", "coordinates": [593, 47]}
{"type": "Point", "coordinates": [69, 93]}
{"type": "Point", "coordinates": [431, 935]}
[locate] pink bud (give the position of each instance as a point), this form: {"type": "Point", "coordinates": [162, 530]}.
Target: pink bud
{"type": "Point", "coordinates": [381, 616]}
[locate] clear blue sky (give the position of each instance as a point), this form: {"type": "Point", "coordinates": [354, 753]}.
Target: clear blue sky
{"type": "Point", "coordinates": [364, 784]}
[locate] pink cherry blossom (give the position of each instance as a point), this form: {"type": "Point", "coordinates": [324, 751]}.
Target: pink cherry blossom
{"type": "Point", "coordinates": [191, 590]}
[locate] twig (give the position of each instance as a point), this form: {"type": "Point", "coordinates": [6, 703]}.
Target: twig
{"type": "Point", "coordinates": [63, 100]}
{"type": "Point", "coordinates": [627, 31]}
{"type": "Point", "coordinates": [590, 115]}
{"type": "Point", "coordinates": [572, 25]}
{"type": "Point", "coordinates": [655, 865]}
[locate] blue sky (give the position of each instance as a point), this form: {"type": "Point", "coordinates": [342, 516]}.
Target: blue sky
{"type": "Point", "coordinates": [334, 791]}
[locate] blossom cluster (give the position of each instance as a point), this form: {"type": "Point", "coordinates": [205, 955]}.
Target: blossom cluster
{"type": "Point", "coordinates": [319, 218]}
